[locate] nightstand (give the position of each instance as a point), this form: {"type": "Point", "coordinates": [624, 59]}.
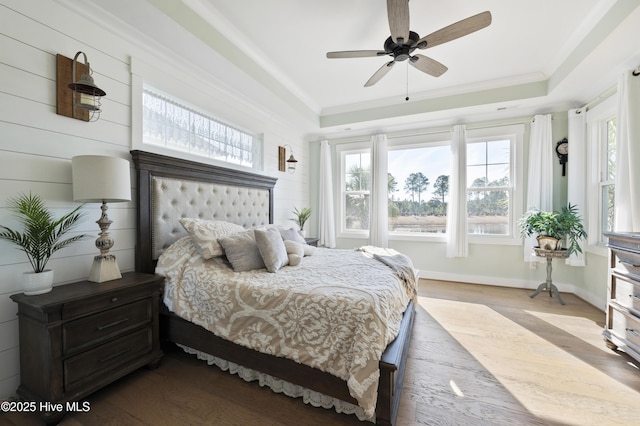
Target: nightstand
{"type": "Point", "coordinates": [312, 241]}
{"type": "Point", "coordinates": [82, 336]}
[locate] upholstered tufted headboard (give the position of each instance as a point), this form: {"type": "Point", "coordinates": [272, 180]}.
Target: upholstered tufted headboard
{"type": "Point", "coordinates": [169, 189]}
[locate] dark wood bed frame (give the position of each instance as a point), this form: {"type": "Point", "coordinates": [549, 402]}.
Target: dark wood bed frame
{"type": "Point", "coordinates": [177, 330]}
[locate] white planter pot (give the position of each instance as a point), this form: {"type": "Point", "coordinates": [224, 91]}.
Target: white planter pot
{"type": "Point", "coordinates": [39, 283]}
{"type": "Point", "coordinates": [302, 233]}
{"type": "Point", "coordinates": [547, 243]}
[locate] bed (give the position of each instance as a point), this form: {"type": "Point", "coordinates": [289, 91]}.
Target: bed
{"type": "Point", "coordinates": [169, 189]}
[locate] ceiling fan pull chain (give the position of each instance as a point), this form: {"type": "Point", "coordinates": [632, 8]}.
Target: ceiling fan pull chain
{"type": "Point", "coordinates": [407, 98]}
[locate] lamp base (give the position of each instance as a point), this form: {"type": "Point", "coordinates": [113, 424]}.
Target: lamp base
{"type": "Point", "coordinates": [104, 268]}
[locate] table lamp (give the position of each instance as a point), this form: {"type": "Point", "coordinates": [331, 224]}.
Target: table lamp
{"type": "Point", "coordinates": [100, 179]}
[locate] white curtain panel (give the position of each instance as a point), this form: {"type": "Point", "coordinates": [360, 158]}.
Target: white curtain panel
{"type": "Point", "coordinates": [540, 175]}
{"type": "Point", "coordinates": [577, 171]}
{"type": "Point", "coordinates": [627, 181]}
{"type": "Point", "coordinates": [327, 215]}
{"type": "Point", "coordinates": [379, 227]}
{"type": "Point", "coordinates": [457, 243]}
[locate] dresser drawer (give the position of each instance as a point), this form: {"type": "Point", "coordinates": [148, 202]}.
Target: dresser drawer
{"type": "Point", "coordinates": [87, 366]}
{"type": "Point", "coordinates": [100, 303]}
{"type": "Point", "coordinates": [627, 262]}
{"type": "Point", "coordinates": [83, 332]}
{"type": "Point", "coordinates": [627, 292]}
{"type": "Point", "coordinates": [626, 326]}
{"type": "Point", "coordinates": [627, 241]}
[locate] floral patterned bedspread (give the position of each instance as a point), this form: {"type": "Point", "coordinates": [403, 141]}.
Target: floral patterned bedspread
{"type": "Point", "coordinates": [336, 311]}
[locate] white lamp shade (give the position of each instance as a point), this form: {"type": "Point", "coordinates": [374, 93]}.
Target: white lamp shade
{"type": "Point", "coordinates": [98, 178]}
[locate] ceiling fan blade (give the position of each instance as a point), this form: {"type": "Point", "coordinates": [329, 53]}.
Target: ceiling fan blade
{"type": "Point", "coordinates": [398, 14]}
{"type": "Point", "coordinates": [355, 54]}
{"type": "Point", "coordinates": [428, 65]}
{"type": "Point", "coordinates": [456, 30]}
{"type": "Point", "coordinates": [382, 71]}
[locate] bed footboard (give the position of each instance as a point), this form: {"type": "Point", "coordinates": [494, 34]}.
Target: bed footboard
{"type": "Point", "coordinates": [392, 363]}
{"type": "Point", "coordinates": [392, 367]}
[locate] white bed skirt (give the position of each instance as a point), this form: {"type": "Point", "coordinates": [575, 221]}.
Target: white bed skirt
{"type": "Point", "coordinates": [308, 396]}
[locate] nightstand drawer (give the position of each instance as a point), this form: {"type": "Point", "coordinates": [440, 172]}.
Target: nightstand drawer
{"type": "Point", "coordinates": [87, 366]}
{"type": "Point", "coordinates": [100, 303]}
{"type": "Point", "coordinates": [94, 328]}
{"type": "Point", "coordinates": [626, 326]}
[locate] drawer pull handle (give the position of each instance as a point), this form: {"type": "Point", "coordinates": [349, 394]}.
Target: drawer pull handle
{"type": "Point", "coordinates": [632, 331]}
{"type": "Point", "coordinates": [116, 355]}
{"type": "Point", "coordinates": [111, 324]}
{"type": "Point", "coordinates": [624, 262]}
{"type": "Point", "coordinates": [114, 299]}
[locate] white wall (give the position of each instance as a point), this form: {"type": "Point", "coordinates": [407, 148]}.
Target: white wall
{"type": "Point", "coordinates": [36, 144]}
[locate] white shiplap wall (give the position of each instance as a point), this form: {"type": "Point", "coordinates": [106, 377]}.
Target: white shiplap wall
{"type": "Point", "coordinates": [36, 144]}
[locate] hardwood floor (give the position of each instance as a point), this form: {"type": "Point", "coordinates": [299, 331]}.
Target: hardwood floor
{"type": "Point", "coordinates": [480, 355]}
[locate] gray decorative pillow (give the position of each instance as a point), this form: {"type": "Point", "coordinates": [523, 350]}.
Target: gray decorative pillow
{"type": "Point", "coordinates": [242, 251]}
{"type": "Point", "coordinates": [292, 235]}
{"type": "Point", "coordinates": [205, 234]}
{"type": "Point", "coordinates": [272, 249]}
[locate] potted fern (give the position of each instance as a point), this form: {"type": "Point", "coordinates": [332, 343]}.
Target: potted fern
{"type": "Point", "coordinates": [549, 226]}
{"type": "Point", "coordinates": [301, 218]}
{"type": "Point", "coordinates": [42, 236]}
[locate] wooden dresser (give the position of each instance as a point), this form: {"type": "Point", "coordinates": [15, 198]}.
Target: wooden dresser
{"type": "Point", "coordinates": [622, 329]}
{"type": "Point", "coordinates": [80, 337]}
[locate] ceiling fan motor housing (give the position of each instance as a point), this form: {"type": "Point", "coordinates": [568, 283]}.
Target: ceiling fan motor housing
{"type": "Point", "coordinates": [402, 52]}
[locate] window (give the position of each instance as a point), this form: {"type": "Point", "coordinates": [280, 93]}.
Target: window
{"type": "Point", "coordinates": [601, 122]}
{"type": "Point", "coordinates": [489, 189]}
{"type": "Point", "coordinates": [169, 124]}
{"type": "Point", "coordinates": [418, 188]}
{"type": "Point", "coordinates": [356, 167]}
{"type": "Point", "coordinates": [607, 186]}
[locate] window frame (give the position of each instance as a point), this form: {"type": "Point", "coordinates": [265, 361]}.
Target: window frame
{"type": "Point", "coordinates": [193, 113]}
{"type": "Point", "coordinates": [342, 151]}
{"type": "Point", "coordinates": [413, 142]}
{"type": "Point", "coordinates": [597, 140]}
{"type": "Point", "coordinates": [515, 134]}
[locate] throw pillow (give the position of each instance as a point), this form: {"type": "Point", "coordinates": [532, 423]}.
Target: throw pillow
{"type": "Point", "coordinates": [295, 252]}
{"type": "Point", "coordinates": [242, 251]}
{"type": "Point", "coordinates": [205, 233]}
{"type": "Point", "coordinates": [272, 249]}
{"type": "Point", "coordinates": [292, 235]}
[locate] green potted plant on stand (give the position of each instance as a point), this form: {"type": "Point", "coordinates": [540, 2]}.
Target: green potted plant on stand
{"type": "Point", "coordinates": [554, 227]}
{"type": "Point", "coordinates": [301, 218]}
{"type": "Point", "coordinates": [42, 236]}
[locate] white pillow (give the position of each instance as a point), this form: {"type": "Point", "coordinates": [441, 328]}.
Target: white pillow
{"type": "Point", "coordinates": [295, 252]}
{"type": "Point", "coordinates": [272, 249]}
{"type": "Point", "coordinates": [205, 233]}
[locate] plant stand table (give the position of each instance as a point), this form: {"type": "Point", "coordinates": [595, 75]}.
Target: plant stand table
{"type": "Point", "coordinates": [548, 284]}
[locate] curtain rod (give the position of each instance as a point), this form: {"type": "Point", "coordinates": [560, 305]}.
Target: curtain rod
{"type": "Point", "coordinates": [423, 132]}
{"type": "Point", "coordinates": [601, 97]}
{"type": "Point", "coordinates": [604, 95]}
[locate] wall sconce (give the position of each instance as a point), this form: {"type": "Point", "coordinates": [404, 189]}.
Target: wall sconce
{"type": "Point", "coordinates": [77, 98]}
{"type": "Point", "coordinates": [289, 164]}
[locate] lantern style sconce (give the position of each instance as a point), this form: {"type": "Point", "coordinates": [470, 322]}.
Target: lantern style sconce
{"type": "Point", "coordinates": [288, 164]}
{"type": "Point", "coordinates": [77, 97]}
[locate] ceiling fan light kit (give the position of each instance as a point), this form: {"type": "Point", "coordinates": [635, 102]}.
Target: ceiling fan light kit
{"type": "Point", "coordinates": [403, 42]}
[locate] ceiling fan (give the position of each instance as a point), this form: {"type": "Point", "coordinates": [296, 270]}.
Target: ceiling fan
{"type": "Point", "coordinates": [402, 42]}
